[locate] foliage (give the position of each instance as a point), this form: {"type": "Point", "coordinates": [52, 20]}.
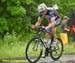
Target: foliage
{"type": "Point", "coordinates": [17, 15]}
{"type": "Point", "coordinates": [14, 15]}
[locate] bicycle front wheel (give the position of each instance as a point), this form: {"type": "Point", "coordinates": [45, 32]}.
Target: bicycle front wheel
{"type": "Point", "coordinates": [57, 50]}
{"type": "Point", "coordinates": [34, 50]}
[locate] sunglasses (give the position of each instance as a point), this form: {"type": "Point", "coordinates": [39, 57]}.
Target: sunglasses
{"type": "Point", "coordinates": [43, 11]}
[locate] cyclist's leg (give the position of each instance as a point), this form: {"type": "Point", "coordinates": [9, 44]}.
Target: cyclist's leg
{"type": "Point", "coordinates": [57, 22]}
{"type": "Point", "coordinates": [54, 33]}
{"type": "Point", "coordinates": [48, 31]}
{"type": "Point", "coordinates": [53, 29]}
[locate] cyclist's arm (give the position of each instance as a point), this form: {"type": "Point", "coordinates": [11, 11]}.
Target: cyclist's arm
{"type": "Point", "coordinates": [51, 24]}
{"type": "Point", "coordinates": [38, 21]}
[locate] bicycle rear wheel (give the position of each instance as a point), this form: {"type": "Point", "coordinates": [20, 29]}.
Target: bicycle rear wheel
{"type": "Point", "coordinates": [57, 50]}
{"type": "Point", "coordinates": [34, 50]}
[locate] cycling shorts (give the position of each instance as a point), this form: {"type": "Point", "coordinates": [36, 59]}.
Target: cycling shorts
{"type": "Point", "coordinates": [48, 30]}
{"type": "Point", "coordinates": [57, 22]}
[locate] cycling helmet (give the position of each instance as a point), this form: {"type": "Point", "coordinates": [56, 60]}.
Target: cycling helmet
{"type": "Point", "coordinates": [50, 8]}
{"type": "Point", "coordinates": [42, 7]}
{"type": "Point", "coordinates": [55, 6]}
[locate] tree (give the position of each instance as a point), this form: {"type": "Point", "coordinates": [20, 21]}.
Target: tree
{"type": "Point", "coordinates": [17, 14]}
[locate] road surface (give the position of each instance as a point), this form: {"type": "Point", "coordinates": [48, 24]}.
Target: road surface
{"type": "Point", "coordinates": [63, 59]}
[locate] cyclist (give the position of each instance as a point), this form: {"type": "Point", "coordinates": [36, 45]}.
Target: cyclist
{"type": "Point", "coordinates": [53, 20]}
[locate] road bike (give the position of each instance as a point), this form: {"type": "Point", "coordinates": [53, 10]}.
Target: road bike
{"type": "Point", "coordinates": [36, 46]}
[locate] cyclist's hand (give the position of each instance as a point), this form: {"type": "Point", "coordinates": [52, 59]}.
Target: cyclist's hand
{"type": "Point", "coordinates": [43, 27]}
{"type": "Point", "coordinates": [33, 26]}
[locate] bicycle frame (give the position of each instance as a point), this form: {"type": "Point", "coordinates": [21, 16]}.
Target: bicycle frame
{"type": "Point", "coordinates": [37, 42]}
{"type": "Point", "coordinates": [38, 35]}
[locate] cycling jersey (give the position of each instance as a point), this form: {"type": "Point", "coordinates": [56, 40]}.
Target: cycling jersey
{"type": "Point", "coordinates": [48, 15]}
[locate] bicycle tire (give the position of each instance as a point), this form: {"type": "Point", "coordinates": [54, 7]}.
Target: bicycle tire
{"type": "Point", "coordinates": [51, 53]}
{"type": "Point", "coordinates": [29, 43]}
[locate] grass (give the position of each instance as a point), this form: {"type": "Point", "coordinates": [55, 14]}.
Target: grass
{"type": "Point", "coordinates": [13, 46]}
{"type": "Point", "coordinates": [18, 50]}
{"type": "Point", "coordinates": [69, 49]}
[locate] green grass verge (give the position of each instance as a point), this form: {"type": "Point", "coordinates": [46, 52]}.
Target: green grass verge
{"type": "Point", "coordinates": [18, 50]}
{"type": "Point", "coordinates": [69, 49]}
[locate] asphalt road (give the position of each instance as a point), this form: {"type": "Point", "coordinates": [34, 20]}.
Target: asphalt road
{"type": "Point", "coordinates": [63, 59]}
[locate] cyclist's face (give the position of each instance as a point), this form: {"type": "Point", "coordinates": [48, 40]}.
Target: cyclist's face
{"type": "Point", "coordinates": [44, 12]}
